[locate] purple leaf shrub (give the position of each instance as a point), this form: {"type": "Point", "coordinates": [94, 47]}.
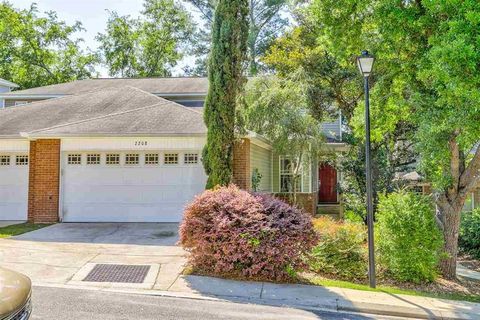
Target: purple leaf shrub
{"type": "Point", "coordinates": [234, 233]}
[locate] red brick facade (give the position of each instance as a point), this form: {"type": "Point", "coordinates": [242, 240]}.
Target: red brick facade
{"type": "Point", "coordinates": [241, 164]}
{"type": "Point", "coordinates": [44, 181]}
{"type": "Point", "coordinates": [306, 201]}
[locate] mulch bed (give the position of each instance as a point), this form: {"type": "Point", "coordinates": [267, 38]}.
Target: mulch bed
{"type": "Point", "coordinates": [469, 262]}
{"type": "Point", "coordinates": [440, 286]}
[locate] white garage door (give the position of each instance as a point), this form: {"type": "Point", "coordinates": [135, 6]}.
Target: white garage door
{"type": "Point", "coordinates": [129, 186]}
{"type": "Point", "coordinates": [13, 186]}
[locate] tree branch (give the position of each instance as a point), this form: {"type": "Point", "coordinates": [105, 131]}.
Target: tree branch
{"type": "Point", "coordinates": [454, 161]}
{"type": "Point", "coordinates": [470, 178]}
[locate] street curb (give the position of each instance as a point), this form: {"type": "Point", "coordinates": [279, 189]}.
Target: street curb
{"type": "Point", "coordinates": [340, 306]}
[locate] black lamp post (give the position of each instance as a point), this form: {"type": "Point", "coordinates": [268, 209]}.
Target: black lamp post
{"type": "Point", "coordinates": [365, 65]}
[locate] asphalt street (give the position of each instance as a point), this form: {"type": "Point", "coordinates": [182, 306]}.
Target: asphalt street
{"type": "Point", "coordinates": [59, 303]}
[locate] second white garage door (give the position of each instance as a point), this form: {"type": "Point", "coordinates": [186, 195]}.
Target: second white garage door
{"type": "Point", "coordinates": [13, 186]}
{"type": "Point", "coordinates": [129, 186]}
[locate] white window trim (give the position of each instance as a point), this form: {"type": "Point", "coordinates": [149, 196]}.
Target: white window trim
{"type": "Point", "coordinates": [168, 154]}
{"type": "Point", "coordinates": [188, 154]}
{"type": "Point", "coordinates": [152, 154]}
{"type": "Point", "coordinates": [94, 154]}
{"type": "Point", "coordinates": [19, 163]}
{"type": "Point", "coordinates": [280, 158]}
{"type": "Point", "coordinates": [132, 154]}
{"type": "Point", "coordinates": [118, 156]}
{"type": "Point", "coordinates": [74, 155]}
{"type": "Point", "coordinates": [6, 156]}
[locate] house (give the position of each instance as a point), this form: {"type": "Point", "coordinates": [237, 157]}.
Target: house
{"type": "Point", "coordinates": [128, 150]}
{"type": "Point", "coordinates": [6, 86]}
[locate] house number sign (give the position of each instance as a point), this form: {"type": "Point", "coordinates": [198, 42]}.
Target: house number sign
{"type": "Point", "coordinates": [141, 143]}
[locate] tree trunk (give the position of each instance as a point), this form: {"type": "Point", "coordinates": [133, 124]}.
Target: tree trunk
{"type": "Point", "coordinates": [449, 214]}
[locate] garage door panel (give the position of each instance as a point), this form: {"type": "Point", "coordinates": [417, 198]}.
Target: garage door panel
{"type": "Point", "coordinates": [156, 212]}
{"type": "Point", "coordinates": [129, 193]}
{"type": "Point", "coordinates": [13, 211]}
{"type": "Point", "coordinates": [14, 176]}
{"type": "Point", "coordinates": [13, 190]}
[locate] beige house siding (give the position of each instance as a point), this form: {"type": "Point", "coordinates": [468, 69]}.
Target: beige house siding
{"type": "Point", "coordinates": [261, 159]}
{"type": "Point", "coordinates": [307, 177]}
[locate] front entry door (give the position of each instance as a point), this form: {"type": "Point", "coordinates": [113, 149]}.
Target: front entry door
{"type": "Point", "coordinates": [327, 184]}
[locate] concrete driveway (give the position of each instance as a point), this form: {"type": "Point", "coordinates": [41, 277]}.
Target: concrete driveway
{"type": "Point", "coordinates": [156, 234]}
{"type": "Point", "coordinates": [54, 255]}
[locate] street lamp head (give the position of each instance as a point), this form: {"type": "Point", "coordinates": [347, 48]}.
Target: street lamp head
{"type": "Point", "coordinates": [365, 63]}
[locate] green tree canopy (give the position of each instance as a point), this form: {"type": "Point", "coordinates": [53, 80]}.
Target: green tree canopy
{"type": "Point", "coordinates": [336, 85]}
{"type": "Point", "coordinates": [266, 20]}
{"type": "Point", "coordinates": [150, 45]}
{"type": "Point", "coordinates": [427, 74]}
{"type": "Point", "coordinates": [280, 110]}
{"type": "Point", "coordinates": [37, 51]}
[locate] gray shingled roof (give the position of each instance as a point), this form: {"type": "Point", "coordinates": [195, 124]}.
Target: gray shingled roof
{"type": "Point", "coordinates": [173, 86]}
{"type": "Point", "coordinates": [119, 111]}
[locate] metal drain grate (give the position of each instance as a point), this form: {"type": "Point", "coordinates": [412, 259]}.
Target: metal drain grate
{"type": "Point", "coordinates": [117, 273]}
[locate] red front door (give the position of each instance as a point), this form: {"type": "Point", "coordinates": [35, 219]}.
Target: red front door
{"type": "Point", "coordinates": [327, 184]}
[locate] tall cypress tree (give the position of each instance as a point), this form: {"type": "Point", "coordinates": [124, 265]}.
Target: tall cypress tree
{"type": "Point", "coordinates": [226, 80]}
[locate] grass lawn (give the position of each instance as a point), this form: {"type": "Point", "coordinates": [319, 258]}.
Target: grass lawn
{"type": "Point", "coordinates": [317, 280]}
{"type": "Point", "coordinates": [16, 229]}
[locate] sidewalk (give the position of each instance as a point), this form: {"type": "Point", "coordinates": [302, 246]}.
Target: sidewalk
{"type": "Point", "coordinates": [336, 299]}
{"type": "Point", "coordinates": [467, 273]}
{"type": "Point", "coordinates": [315, 297]}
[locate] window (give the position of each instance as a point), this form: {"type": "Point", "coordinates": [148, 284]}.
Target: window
{"type": "Point", "coordinates": [171, 158]}
{"type": "Point", "coordinates": [190, 158]}
{"type": "Point", "coordinates": [112, 159]}
{"type": "Point", "coordinates": [4, 160]}
{"type": "Point", "coordinates": [74, 159]}
{"type": "Point", "coordinates": [93, 158]}
{"type": "Point", "coordinates": [21, 160]}
{"type": "Point", "coordinates": [19, 103]}
{"type": "Point", "coordinates": [151, 158]}
{"type": "Point", "coordinates": [287, 167]}
{"type": "Point", "coordinates": [131, 158]}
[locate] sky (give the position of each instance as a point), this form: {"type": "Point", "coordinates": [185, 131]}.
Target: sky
{"type": "Point", "coordinates": [93, 14]}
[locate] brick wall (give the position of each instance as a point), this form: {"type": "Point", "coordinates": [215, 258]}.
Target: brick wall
{"type": "Point", "coordinates": [306, 201]}
{"type": "Point", "coordinates": [44, 184]}
{"type": "Point", "coordinates": [241, 164]}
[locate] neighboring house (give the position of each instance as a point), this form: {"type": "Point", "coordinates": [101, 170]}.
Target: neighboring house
{"type": "Point", "coordinates": [128, 150]}
{"type": "Point", "coordinates": [415, 182]}
{"type": "Point", "coordinates": [6, 86]}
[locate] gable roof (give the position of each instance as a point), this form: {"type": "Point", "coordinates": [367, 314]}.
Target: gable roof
{"type": "Point", "coordinates": [116, 111]}
{"type": "Point", "coordinates": [161, 86]}
{"type": "Point", "coordinates": [6, 83]}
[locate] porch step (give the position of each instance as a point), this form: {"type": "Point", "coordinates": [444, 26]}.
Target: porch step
{"type": "Point", "coordinates": [332, 210]}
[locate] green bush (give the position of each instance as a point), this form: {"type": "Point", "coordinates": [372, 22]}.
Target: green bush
{"type": "Point", "coordinates": [408, 238]}
{"type": "Point", "coordinates": [341, 250]}
{"type": "Point", "coordinates": [469, 239]}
